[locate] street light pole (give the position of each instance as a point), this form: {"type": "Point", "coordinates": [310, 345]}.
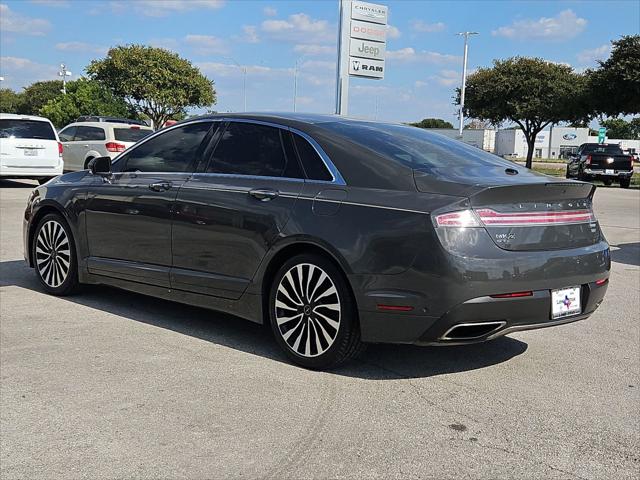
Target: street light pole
{"type": "Point", "coordinates": [64, 73]}
{"type": "Point", "coordinates": [244, 80]}
{"type": "Point", "coordinates": [464, 75]}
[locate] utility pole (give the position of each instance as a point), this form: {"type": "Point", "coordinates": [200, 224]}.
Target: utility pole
{"type": "Point", "coordinates": [64, 73]}
{"type": "Point", "coordinates": [244, 80]}
{"type": "Point", "coordinates": [464, 75]}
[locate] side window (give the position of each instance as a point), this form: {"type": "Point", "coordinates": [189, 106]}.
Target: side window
{"type": "Point", "coordinates": [253, 149]}
{"type": "Point", "coordinates": [66, 135]}
{"type": "Point", "coordinates": [171, 151]}
{"type": "Point", "coordinates": [313, 165]}
{"type": "Point", "coordinates": [88, 134]}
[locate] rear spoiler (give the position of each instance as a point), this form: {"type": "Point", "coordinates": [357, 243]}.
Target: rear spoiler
{"type": "Point", "coordinates": [538, 192]}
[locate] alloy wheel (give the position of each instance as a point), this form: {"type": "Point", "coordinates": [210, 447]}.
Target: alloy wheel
{"type": "Point", "coordinates": [307, 310]}
{"type": "Point", "coordinates": [53, 253]}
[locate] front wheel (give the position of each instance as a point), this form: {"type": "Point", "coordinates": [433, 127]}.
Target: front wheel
{"type": "Point", "coordinates": [313, 314]}
{"type": "Point", "coordinates": [625, 182]}
{"type": "Point", "coordinates": [567, 174]}
{"type": "Point", "coordinates": [54, 255]}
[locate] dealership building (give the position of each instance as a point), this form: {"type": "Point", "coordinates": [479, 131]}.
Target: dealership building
{"type": "Point", "coordinates": [557, 142]}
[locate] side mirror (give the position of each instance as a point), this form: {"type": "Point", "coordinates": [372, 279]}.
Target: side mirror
{"type": "Point", "coordinates": [100, 166]}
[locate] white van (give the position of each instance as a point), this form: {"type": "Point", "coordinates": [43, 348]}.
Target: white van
{"type": "Point", "coordinates": [29, 148]}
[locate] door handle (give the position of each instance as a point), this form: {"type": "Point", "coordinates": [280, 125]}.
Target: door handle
{"type": "Point", "coordinates": [263, 194]}
{"type": "Point", "coordinates": [160, 186]}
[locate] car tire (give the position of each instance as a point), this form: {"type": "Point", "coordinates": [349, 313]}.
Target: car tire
{"type": "Point", "coordinates": [313, 314]}
{"type": "Point", "coordinates": [607, 182]}
{"type": "Point", "coordinates": [625, 182]}
{"type": "Point", "coordinates": [54, 255]}
{"type": "Point", "coordinates": [582, 176]}
{"type": "Point", "coordinates": [567, 174]}
{"type": "Point", "coordinates": [86, 163]}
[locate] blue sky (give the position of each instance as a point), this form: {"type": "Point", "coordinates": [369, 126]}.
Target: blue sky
{"type": "Point", "coordinates": [423, 52]}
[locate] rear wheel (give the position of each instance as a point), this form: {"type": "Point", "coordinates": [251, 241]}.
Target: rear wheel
{"type": "Point", "coordinates": [582, 176]}
{"type": "Point", "coordinates": [625, 182]}
{"type": "Point", "coordinates": [86, 163]}
{"type": "Point", "coordinates": [607, 181]}
{"type": "Point", "coordinates": [54, 255]}
{"type": "Point", "coordinates": [567, 174]}
{"type": "Point", "coordinates": [313, 314]}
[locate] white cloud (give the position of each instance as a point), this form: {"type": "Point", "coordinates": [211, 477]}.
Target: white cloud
{"type": "Point", "coordinates": [314, 49]}
{"type": "Point", "coordinates": [13, 22]}
{"type": "Point", "coordinates": [232, 70]}
{"type": "Point", "coordinates": [423, 27]}
{"type": "Point", "coordinates": [80, 47]}
{"type": "Point", "coordinates": [393, 32]}
{"type": "Point", "coordinates": [21, 72]}
{"type": "Point", "coordinates": [591, 55]}
{"type": "Point", "coordinates": [161, 8]}
{"type": "Point", "coordinates": [299, 28]}
{"type": "Point", "coordinates": [447, 78]}
{"type": "Point", "coordinates": [419, 84]}
{"type": "Point", "coordinates": [206, 44]}
{"type": "Point", "coordinates": [563, 26]}
{"type": "Point", "coordinates": [409, 55]}
{"type": "Point", "coordinates": [270, 11]}
{"type": "Point", "coordinates": [250, 34]}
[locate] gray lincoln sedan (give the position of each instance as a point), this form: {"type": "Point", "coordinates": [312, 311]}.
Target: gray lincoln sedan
{"type": "Point", "coordinates": [336, 232]}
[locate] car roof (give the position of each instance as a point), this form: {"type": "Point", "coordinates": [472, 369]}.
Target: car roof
{"type": "Point", "coordinates": [108, 124]}
{"type": "Point", "coordinates": [291, 119]}
{"type": "Point", "coordinates": [13, 116]}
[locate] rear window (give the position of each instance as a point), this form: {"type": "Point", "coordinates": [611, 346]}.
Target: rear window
{"type": "Point", "coordinates": [606, 149]}
{"type": "Point", "coordinates": [15, 128]}
{"type": "Point", "coordinates": [415, 147]}
{"type": "Point", "coordinates": [130, 134]}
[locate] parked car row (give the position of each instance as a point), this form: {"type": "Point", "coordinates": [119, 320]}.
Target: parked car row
{"type": "Point", "coordinates": [30, 147]}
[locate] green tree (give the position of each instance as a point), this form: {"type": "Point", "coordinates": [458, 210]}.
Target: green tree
{"type": "Point", "coordinates": [529, 92]}
{"type": "Point", "coordinates": [154, 81]}
{"type": "Point", "coordinates": [615, 85]}
{"type": "Point", "coordinates": [432, 123]}
{"type": "Point", "coordinates": [620, 128]}
{"type": "Point", "coordinates": [37, 95]}
{"type": "Point", "coordinates": [85, 97]}
{"type": "Point", "coordinates": [9, 100]}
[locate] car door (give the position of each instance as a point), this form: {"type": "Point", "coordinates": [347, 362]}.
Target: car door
{"type": "Point", "coordinates": [574, 163]}
{"type": "Point", "coordinates": [87, 140]}
{"type": "Point", "coordinates": [66, 136]}
{"type": "Point", "coordinates": [128, 214]}
{"type": "Point", "coordinates": [229, 214]}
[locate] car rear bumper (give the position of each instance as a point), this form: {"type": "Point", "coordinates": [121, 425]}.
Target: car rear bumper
{"type": "Point", "coordinates": [611, 173]}
{"type": "Point", "coordinates": [393, 310]}
{"type": "Point", "coordinates": [10, 169]}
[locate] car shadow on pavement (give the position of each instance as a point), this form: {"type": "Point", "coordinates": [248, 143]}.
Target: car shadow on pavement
{"type": "Point", "coordinates": [627, 253]}
{"type": "Point", "coordinates": [18, 183]}
{"type": "Point", "coordinates": [378, 362]}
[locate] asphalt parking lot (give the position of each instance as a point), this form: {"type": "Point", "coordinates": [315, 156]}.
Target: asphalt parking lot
{"type": "Point", "coordinates": [110, 384]}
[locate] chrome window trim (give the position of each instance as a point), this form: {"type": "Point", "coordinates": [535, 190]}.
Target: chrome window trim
{"type": "Point", "coordinates": [333, 171]}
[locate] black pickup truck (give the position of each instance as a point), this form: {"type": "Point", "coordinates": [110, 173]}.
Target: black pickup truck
{"type": "Point", "coordinates": [601, 161]}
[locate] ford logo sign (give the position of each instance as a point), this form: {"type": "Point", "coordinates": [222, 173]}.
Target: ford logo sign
{"type": "Point", "coordinates": [569, 136]}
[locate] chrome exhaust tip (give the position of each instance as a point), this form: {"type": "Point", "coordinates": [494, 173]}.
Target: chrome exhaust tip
{"type": "Point", "coordinates": [472, 331]}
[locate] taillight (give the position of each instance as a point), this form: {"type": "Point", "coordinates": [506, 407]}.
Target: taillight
{"type": "Point", "coordinates": [460, 219]}
{"type": "Point", "coordinates": [588, 160]}
{"type": "Point", "coordinates": [491, 218]}
{"type": "Point", "coordinates": [60, 149]}
{"type": "Point", "coordinates": [115, 147]}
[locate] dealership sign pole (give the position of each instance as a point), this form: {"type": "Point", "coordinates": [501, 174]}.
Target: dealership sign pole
{"type": "Point", "coordinates": [362, 37]}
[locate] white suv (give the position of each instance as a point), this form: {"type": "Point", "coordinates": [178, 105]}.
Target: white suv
{"type": "Point", "coordinates": [29, 148]}
{"type": "Point", "coordinates": [84, 141]}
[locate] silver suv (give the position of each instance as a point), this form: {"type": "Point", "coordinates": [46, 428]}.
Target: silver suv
{"type": "Point", "coordinates": [84, 141]}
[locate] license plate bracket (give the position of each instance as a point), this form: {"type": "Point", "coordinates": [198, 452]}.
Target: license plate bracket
{"type": "Point", "coordinates": [566, 302]}
{"type": "Point", "coordinates": [30, 152]}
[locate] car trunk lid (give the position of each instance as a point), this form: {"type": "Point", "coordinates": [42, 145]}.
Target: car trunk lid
{"type": "Point", "coordinates": [540, 216]}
